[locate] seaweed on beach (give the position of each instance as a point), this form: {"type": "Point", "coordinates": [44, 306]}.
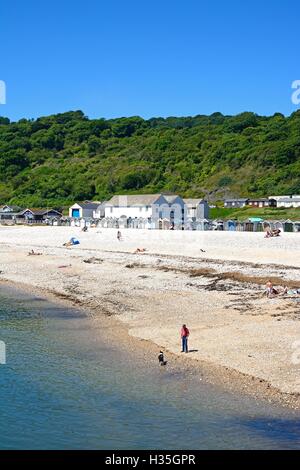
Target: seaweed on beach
{"type": "Point", "coordinates": [93, 260]}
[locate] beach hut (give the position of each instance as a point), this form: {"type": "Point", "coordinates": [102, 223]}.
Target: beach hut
{"type": "Point", "coordinates": [297, 226]}
{"type": "Point", "coordinates": [239, 226]}
{"type": "Point", "coordinates": [190, 224]}
{"type": "Point", "coordinates": [164, 224]}
{"type": "Point", "coordinates": [148, 224]}
{"type": "Point", "coordinates": [288, 226]}
{"type": "Point", "coordinates": [207, 224]}
{"type": "Point", "coordinates": [65, 222]}
{"type": "Point", "coordinates": [277, 225]}
{"type": "Point", "coordinates": [248, 225]}
{"type": "Point", "coordinates": [129, 222]}
{"type": "Point", "coordinates": [231, 225]}
{"type": "Point", "coordinates": [218, 225]}
{"type": "Point", "coordinates": [142, 222]}
{"type": "Point", "coordinates": [86, 222]}
{"type": "Point", "coordinates": [203, 224]}
{"type": "Point", "coordinates": [55, 221]}
{"type": "Point", "coordinates": [104, 222]}
{"type": "Point", "coordinates": [257, 224]}
{"type": "Point", "coordinates": [83, 209]}
{"type": "Point", "coordinates": [123, 221]}
{"type": "Point", "coordinates": [108, 222]}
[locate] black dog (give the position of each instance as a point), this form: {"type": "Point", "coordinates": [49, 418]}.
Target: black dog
{"type": "Point", "coordinates": [161, 359]}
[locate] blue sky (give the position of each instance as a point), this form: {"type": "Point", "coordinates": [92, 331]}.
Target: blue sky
{"type": "Point", "coordinates": [149, 58]}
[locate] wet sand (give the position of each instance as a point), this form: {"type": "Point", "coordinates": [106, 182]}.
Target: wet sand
{"type": "Point", "coordinates": [239, 338]}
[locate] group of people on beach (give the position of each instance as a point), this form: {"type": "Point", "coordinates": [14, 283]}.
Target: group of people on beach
{"type": "Point", "coordinates": [272, 292]}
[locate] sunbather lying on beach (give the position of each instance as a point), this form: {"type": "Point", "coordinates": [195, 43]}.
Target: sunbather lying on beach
{"type": "Point", "coordinates": [271, 291]}
{"type": "Point", "coordinates": [32, 252]}
{"type": "Point", "coordinates": [272, 233]}
{"type": "Point", "coordinates": [268, 234]}
{"type": "Point", "coordinates": [71, 242]}
{"type": "Point", "coordinates": [140, 250]}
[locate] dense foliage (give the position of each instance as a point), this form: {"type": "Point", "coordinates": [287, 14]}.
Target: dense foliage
{"type": "Point", "coordinates": [59, 159]}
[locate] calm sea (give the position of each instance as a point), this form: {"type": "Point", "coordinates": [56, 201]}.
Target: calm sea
{"type": "Point", "coordinates": [67, 386]}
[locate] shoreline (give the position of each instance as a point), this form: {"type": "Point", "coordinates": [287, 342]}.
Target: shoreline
{"type": "Point", "coordinates": [229, 380]}
{"type": "Point", "coordinates": [122, 272]}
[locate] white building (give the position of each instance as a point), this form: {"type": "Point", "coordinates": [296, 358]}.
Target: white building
{"type": "Point", "coordinates": [289, 202]}
{"type": "Point", "coordinates": [99, 213]}
{"type": "Point", "coordinates": [177, 209]}
{"type": "Point", "coordinates": [278, 198]}
{"type": "Point", "coordinates": [145, 206]}
{"type": "Point", "coordinates": [196, 209]}
{"type": "Point", "coordinates": [9, 212]}
{"type": "Point", "coordinates": [156, 208]}
{"type": "Point", "coordinates": [5, 209]}
{"type": "Point", "coordinates": [84, 210]}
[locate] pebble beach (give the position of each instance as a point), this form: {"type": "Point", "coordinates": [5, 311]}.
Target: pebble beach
{"type": "Point", "coordinates": [212, 281]}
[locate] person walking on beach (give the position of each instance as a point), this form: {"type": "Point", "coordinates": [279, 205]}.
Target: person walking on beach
{"type": "Point", "coordinates": [119, 235]}
{"type": "Point", "coordinates": [184, 338]}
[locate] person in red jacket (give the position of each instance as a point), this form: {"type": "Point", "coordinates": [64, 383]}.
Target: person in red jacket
{"type": "Point", "coordinates": [184, 338]}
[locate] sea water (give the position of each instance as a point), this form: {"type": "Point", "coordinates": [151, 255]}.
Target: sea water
{"type": "Point", "coordinates": [65, 385]}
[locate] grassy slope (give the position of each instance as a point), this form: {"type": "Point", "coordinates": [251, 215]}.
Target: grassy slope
{"type": "Point", "coordinates": [245, 213]}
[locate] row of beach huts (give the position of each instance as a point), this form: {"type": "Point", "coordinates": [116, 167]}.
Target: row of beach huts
{"type": "Point", "coordinates": [148, 211]}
